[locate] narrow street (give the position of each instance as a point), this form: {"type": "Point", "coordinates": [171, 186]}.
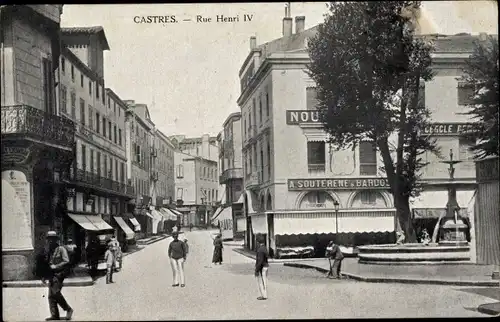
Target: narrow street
{"type": "Point", "coordinates": [143, 291]}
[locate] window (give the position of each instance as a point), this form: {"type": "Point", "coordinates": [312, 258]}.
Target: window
{"type": "Point", "coordinates": [267, 104]}
{"type": "Point", "coordinates": [117, 176]}
{"type": "Point", "coordinates": [64, 99]}
{"type": "Point", "coordinates": [367, 159]}
{"type": "Point", "coordinates": [115, 136]}
{"type": "Point", "coordinates": [465, 93]}
{"type": "Point", "coordinates": [72, 73]}
{"type": "Point", "coordinates": [269, 160]}
{"type": "Point", "coordinates": [91, 161]}
{"type": "Point", "coordinates": [317, 197]}
{"type": "Point", "coordinates": [260, 110]}
{"type": "Point", "coordinates": [261, 174]}
{"type": "Point", "coordinates": [464, 152]}
{"type": "Point", "coordinates": [90, 87]}
{"type": "Point", "coordinates": [316, 156]}
{"type": "Point", "coordinates": [63, 65]}
{"type": "Point", "coordinates": [81, 80]}
{"type": "Point", "coordinates": [97, 90]}
{"type": "Point", "coordinates": [98, 163]}
{"type": "Point", "coordinates": [179, 193]}
{"type": "Point", "coordinates": [84, 157]}
{"type": "Point", "coordinates": [110, 173]}
{"type": "Point", "coordinates": [105, 167]}
{"type": "Point", "coordinates": [114, 108]}
{"type": "Point", "coordinates": [311, 98]}
{"type": "Point", "coordinates": [109, 101]}
{"type": "Point", "coordinates": [103, 95]}
{"type": "Point", "coordinates": [122, 172]}
{"type": "Point", "coordinates": [244, 129]}
{"type": "Point", "coordinates": [97, 123]}
{"type": "Point", "coordinates": [82, 111]}
{"type": "Point", "coordinates": [91, 118]}
{"type": "Point", "coordinates": [48, 86]}
{"type": "Point", "coordinates": [120, 137]}
{"type": "Point", "coordinates": [73, 106]}
{"type": "Point", "coordinates": [104, 126]}
{"type": "Point", "coordinates": [109, 128]}
{"type": "Point", "coordinates": [368, 197]}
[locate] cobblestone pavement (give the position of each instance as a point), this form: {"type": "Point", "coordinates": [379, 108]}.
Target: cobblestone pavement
{"type": "Point", "coordinates": [143, 291]}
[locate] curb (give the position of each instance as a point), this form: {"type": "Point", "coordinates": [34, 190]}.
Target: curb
{"type": "Point", "coordinates": [490, 308]}
{"type": "Point", "coordinates": [271, 260]}
{"type": "Point", "coordinates": [399, 280]}
{"type": "Point", "coordinates": [149, 242]}
{"type": "Point", "coordinates": [36, 283]}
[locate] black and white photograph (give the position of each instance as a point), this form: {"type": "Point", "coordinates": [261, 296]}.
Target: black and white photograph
{"type": "Point", "coordinates": [248, 161]}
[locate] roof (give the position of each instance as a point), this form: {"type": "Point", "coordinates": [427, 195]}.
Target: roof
{"type": "Point", "coordinates": [459, 43]}
{"type": "Point", "coordinates": [233, 116]}
{"type": "Point", "coordinates": [289, 43]}
{"type": "Point", "coordinates": [99, 30]}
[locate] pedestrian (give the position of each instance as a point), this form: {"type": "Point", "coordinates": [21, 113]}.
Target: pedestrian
{"type": "Point", "coordinates": [191, 227]}
{"type": "Point", "coordinates": [58, 264]}
{"type": "Point", "coordinates": [72, 250]}
{"type": "Point", "coordinates": [114, 248]}
{"type": "Point", "coordinates": [218, 247]}
{"type": "Point", "coordinates": [335, 254]}
{"type": "Point", "coordinates": [177, 252]}
{"type": "Point", "coordinates": [261, 267]}
{"type": "Point", "coordinates": [109, 257]}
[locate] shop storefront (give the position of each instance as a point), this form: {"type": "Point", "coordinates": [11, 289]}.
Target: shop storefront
{"type": "Point", "coordinates": [125, 235]}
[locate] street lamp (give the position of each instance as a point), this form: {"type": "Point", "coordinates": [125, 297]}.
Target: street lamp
{"type": "Point", "coordinates": [336, 205]}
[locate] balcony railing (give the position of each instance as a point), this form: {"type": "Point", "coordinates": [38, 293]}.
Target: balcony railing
{"type": "Point", "coordinates": [93, 179]}
{"type": "Point", "coordinates": [35, 124]}
{"type": "Point", "coordinates": [228, 174]}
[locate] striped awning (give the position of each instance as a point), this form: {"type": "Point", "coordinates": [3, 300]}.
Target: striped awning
{"type": "Point", "coordinates": [176, 212]}
{"type": "Point", "coordinates": [216, 213]}
{"type": "Point", "coordinates": [168, 214]}
{"type": "Point", "coordinates": [137, 225]}
{"type": "Point", "coordinates": [259, 224]}
{"type": "Point", "coordinates": [432, 204]}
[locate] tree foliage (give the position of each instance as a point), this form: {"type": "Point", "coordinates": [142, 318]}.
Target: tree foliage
{"type": "Point", "coordinates": [481, 73]}
{"type": "Point", "coordinates": [367, 65]}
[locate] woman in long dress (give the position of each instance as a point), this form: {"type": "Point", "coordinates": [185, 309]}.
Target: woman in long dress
{"type": "Point", "coordinates": [218, 246]}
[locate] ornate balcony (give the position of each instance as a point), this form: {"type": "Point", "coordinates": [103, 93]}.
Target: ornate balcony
{"type": "Point", "coordinates": [92, 180]}
{"type": "Point", "coordinates": [229, 174]}
{"type": "Point", "coordinates": [253, 181]}
{"type": "Point", "coordinates": [29, 123]}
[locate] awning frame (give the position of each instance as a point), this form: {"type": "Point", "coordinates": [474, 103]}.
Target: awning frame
{"type": "Point", "coordinates": [129, 233]}
{"type": "Point", "coordinates": [89, 224]}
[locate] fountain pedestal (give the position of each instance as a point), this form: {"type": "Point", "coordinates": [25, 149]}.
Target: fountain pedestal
{"type": "Point", "coordinates": [453, 234]}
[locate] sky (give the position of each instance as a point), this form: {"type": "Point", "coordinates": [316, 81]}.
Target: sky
{"type": "Point", "coordinates": [187, 72]}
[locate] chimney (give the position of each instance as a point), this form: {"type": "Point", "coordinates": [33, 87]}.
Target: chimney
{"type": "Point", "coordinates": [299, 24]}
{"type": "Point", "coordinates": [287, 26]}
{"type": "Point", "coordinates": [287, 21]}
{"type": "Point", "coordinates": [253, 42]}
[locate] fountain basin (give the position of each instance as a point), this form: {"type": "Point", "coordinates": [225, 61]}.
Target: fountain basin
{"type": "Point", "coordinates": [413, 254]}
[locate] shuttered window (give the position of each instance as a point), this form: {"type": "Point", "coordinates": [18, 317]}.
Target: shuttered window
{"type": "Point", "coordinates": [367, 159]}
{"type": "Point", "coordinates": [316, 155]}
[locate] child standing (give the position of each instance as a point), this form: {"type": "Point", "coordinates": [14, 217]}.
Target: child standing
{"type": "Point", "coordinates": [110, 263]}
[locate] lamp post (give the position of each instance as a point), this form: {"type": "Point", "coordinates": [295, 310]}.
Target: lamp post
{"type": "Point", "coordinates": [336, 205]}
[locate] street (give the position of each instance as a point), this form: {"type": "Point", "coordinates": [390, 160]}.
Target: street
{"type": "Point", "coordinates": [143, 291]}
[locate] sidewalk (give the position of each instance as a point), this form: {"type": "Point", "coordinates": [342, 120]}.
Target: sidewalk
{"type": "Point", "coordinates": [153, 239]}
{"type": "Point", "coordinates": [251, 254]}
{"type": "Point", "coordinates": [491, 308]}
{"type": "Point", "coordinates": [450, 274]}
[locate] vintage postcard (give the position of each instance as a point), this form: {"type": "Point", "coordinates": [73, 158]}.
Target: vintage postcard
{"type": "Point", "coordinates": [236, 161]}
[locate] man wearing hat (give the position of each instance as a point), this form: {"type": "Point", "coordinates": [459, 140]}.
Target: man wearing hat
{"type": "Point", "coordinates": [177, 252]}
{"type": "Point", "coordinates": [59, 265]}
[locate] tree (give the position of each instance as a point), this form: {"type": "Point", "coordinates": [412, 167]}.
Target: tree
{"type": "Point", "coordinates": [367, 64]}
{"type": "Point", "coordinates": [481, 72]}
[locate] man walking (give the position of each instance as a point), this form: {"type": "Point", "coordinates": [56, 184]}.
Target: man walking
{"type": "Point", "coordinates": [72, 249]}
{"type": "Point", "coordinates": [177, 252]}
{"type": "Point", "coordinates": [110, 263]}
{"type": "Point", "coordinates": [336, 255]}
{"type": "Point", "coordinates": [59, 266]}
{"type": "Point", "coordinates": [261, 267]}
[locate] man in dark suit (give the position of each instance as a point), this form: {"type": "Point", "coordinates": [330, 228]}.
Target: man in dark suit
{"type": "Point", "coordinates": [335, 255]}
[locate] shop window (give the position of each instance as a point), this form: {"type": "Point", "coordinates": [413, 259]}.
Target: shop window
{"type": "Point", "coordinates": [316, 156]}
{"type": "Point", "coordinates": [311, 98]}
{"type": "Point", "coordinates": [368, 197]}
{"type": "Point", "coordinates": [367, 158]}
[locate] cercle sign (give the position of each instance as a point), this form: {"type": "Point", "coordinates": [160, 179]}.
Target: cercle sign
{"type": "Point", "coordinates": [448, 128]}
{"type": "Point", "coordinates": [337, 184]}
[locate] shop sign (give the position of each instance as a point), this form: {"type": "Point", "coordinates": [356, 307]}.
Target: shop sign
{"type": "Point", "coordinates": [448, 129]}
{"type": "Point", "coordinates": [15, 154]}
{"type": "Point", "coordinates": [487, 170]}
{"type": "Point", "coordinates": [336, 184]}
{"type": "Point", "coordinates": [294, 117]}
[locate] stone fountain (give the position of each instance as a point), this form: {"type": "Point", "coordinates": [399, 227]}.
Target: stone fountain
{"type": "Point", "coordinates": [450, 228]}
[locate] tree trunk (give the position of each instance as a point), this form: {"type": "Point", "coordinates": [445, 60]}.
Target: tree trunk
{"type": "Point", "coordinates": [404, 218]}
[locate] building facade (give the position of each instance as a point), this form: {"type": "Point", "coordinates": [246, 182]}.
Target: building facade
{"type": "Point", "coordinates": [196, 184]}
{"type": "Point", "coordinates": [294, 178]}
{"type": "Point", "coordinates": [99, 191]}
{"type": "Point", "coordinates": [38, 145]}
{"type": "Point", "coordinates": [165, 185]}
{"type": "Point", "coordinates": [231, 170]}
{"type": "Point", "coordinates": [205, 147]}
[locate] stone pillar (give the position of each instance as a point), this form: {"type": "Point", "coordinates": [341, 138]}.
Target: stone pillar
{"type": "Point", "coordinates": [17, 215]}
